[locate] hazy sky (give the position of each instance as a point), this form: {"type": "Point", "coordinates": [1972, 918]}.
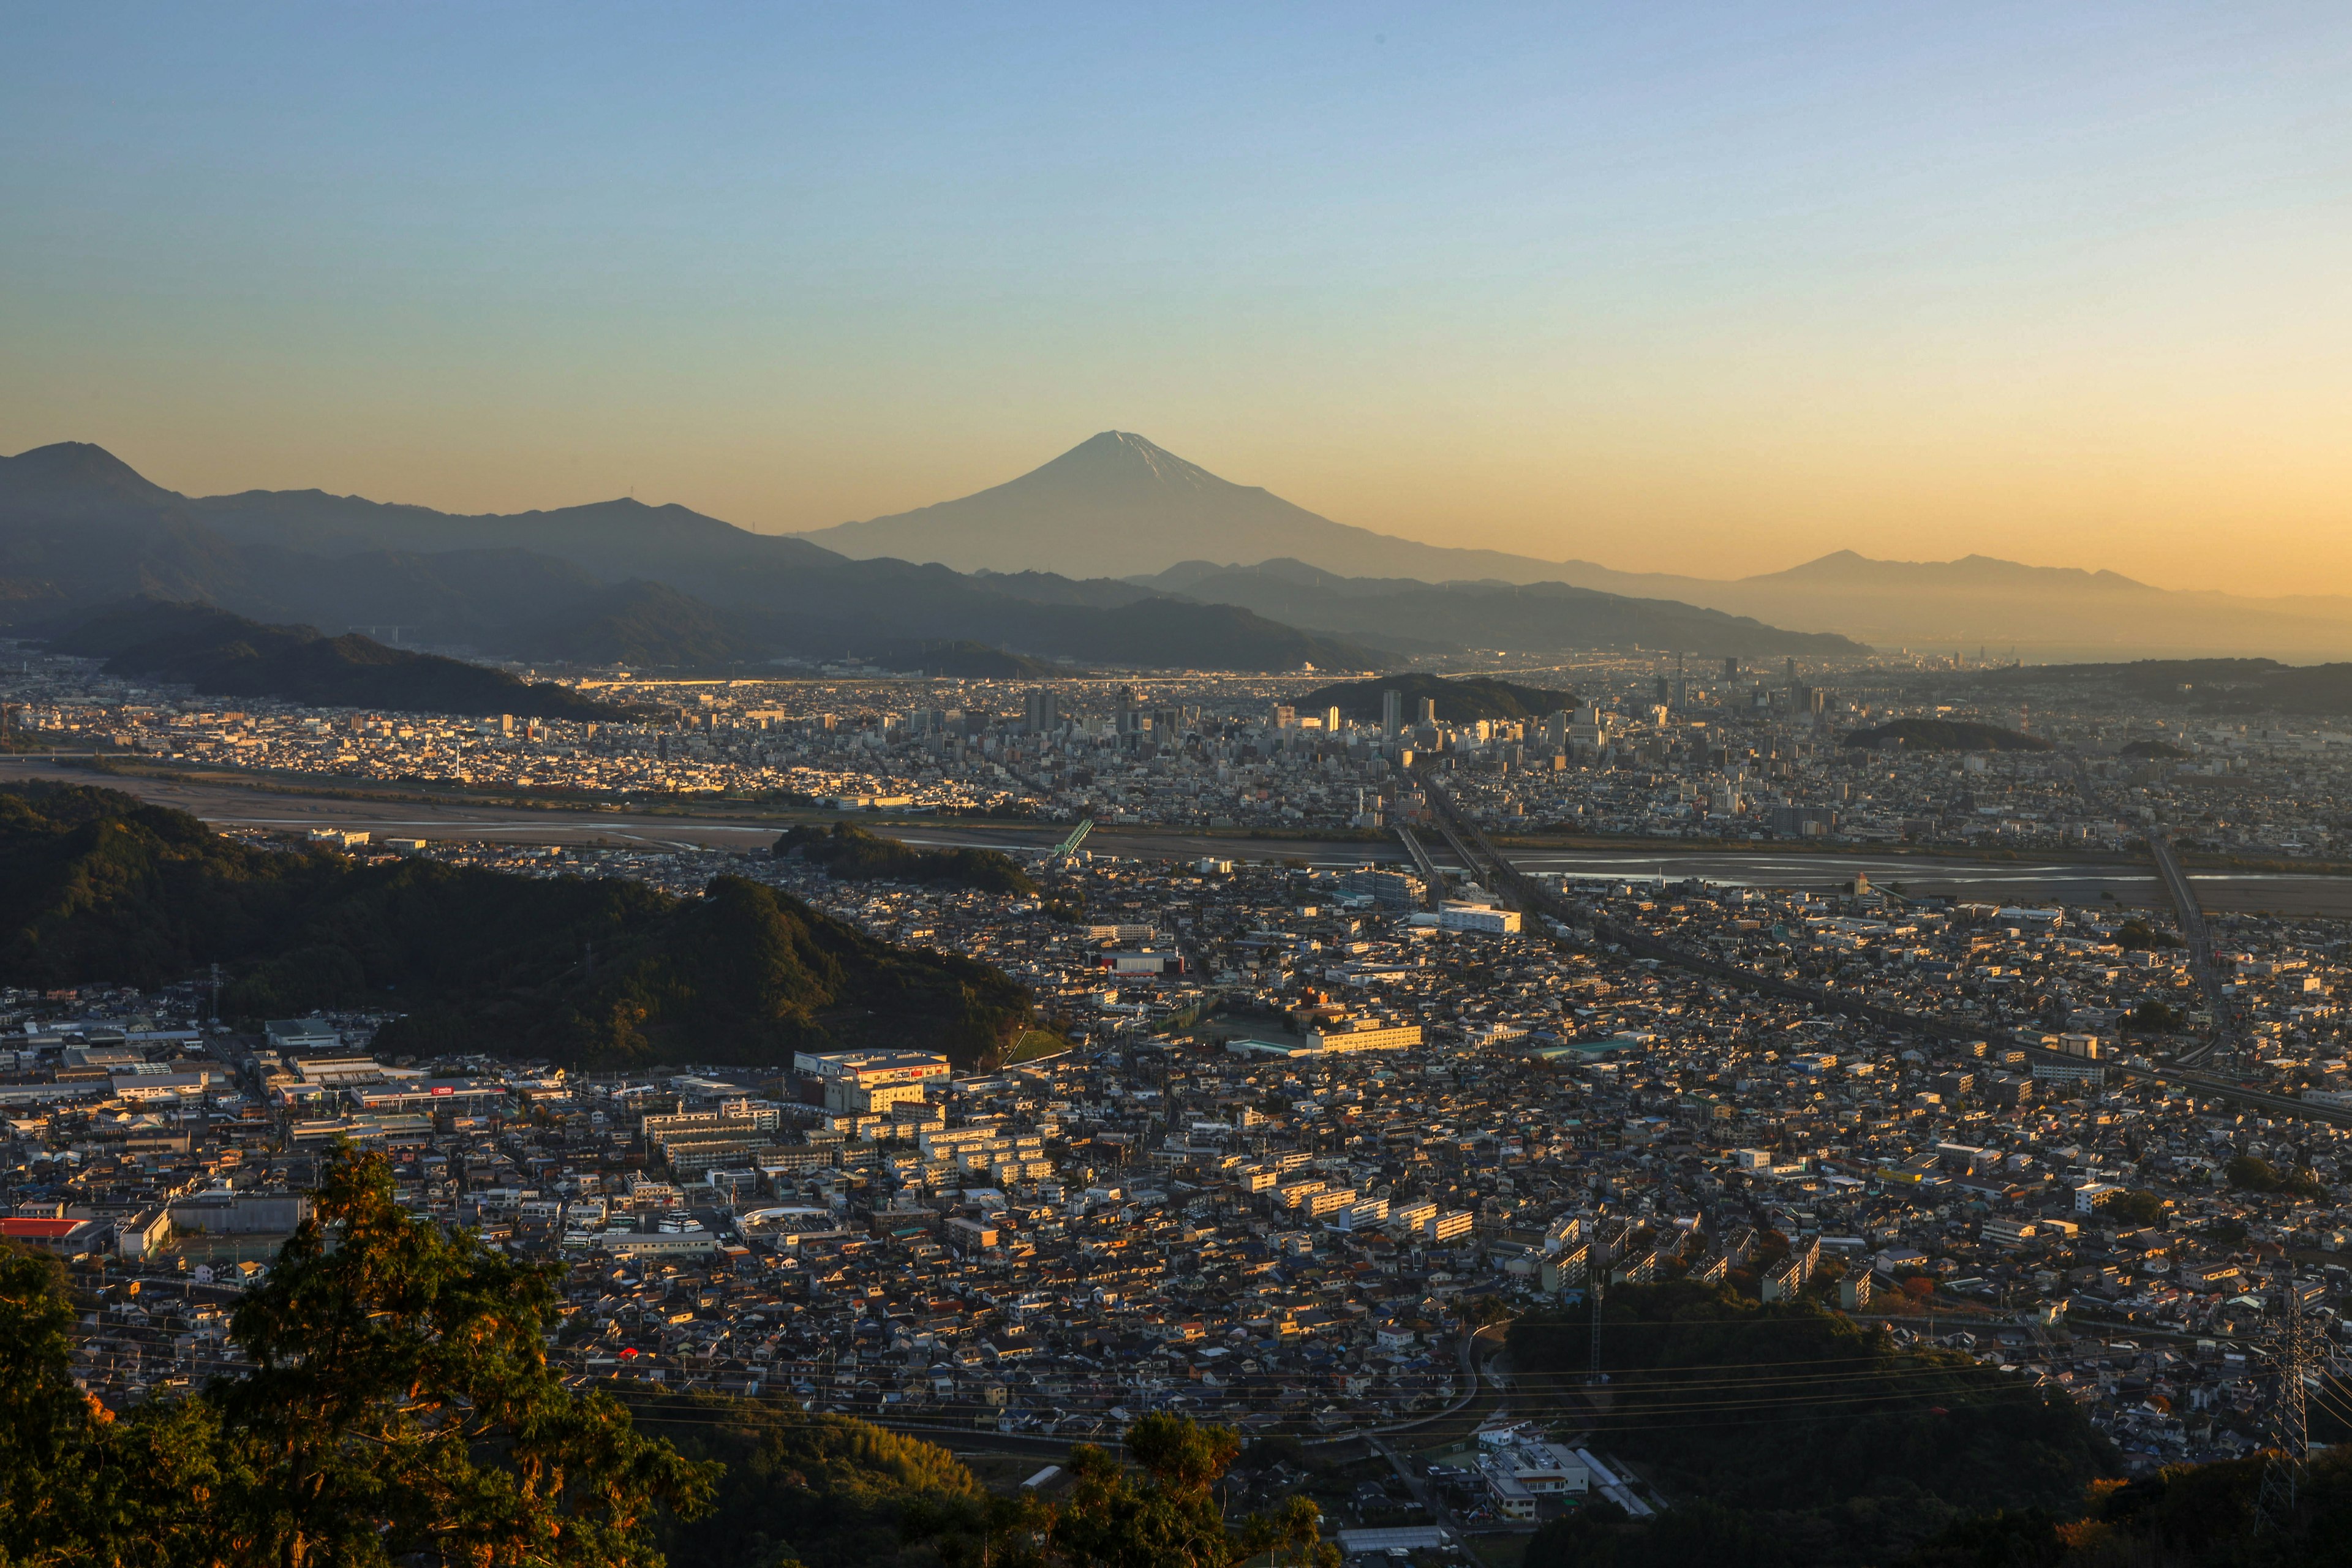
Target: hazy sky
{"type": "Point", "coordinates": [1709, 288]}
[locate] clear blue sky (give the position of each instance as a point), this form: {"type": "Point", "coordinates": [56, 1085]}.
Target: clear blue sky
{"type": "Point", "coordinates": [1706, 288]}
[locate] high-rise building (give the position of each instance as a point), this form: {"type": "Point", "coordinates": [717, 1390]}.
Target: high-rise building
{"type": "Point", "coordinates": [1130, 712]}
{"type": "Point", "coordinates": [1042, 710]}
{"type": "Point", "coordinates": [1428, 714]}
{"type": "Point", "coordinates": [1391, 714]}
{"type": "Point", "coordinates": [1331, 718]}
{"type": "Point", "coordinates": [1731, 667]}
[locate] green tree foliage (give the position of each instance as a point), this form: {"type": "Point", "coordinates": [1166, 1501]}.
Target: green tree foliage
{"type": "Point", "coordinates": [2184, 1516]}
{"type": "Point", "coordinates": [1165, 1512]}
{"type": "Point", "coordinates": [2140, 1206]}
{"type": "Point", "coordinates": [99, 886]}
{"type": "Point", "coordinates": [400, 1407]}
{"type": "Point", "coordinates": [850, 853]}
{"type": "Point", "coordinates": [2137, 935]}
{"type": "Point", "coordinates": [828, 1491]}
{"type": "Point", "coordinates": [401, 1401]}
{"type": "Point", "coordinates": [1795, 1425]}
{"type": "Point", "coordinates": [2154, 1017]}
{"type": "Point", "coordinates": [2248, 1174]}
{"type": "Point", "coordinates": [45, 1423]}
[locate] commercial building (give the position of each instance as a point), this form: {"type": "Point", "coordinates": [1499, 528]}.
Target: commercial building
{"type": "Point", "coordinates": [865, 1083]}
{"type": "Point", "coordinates": [1454, 915]}
{"type": "Point", "coordinates": [1351, 1035]}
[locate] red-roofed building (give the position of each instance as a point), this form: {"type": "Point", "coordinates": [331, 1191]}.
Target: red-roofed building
{"type": "Point", "coordinates": [66, 1237]}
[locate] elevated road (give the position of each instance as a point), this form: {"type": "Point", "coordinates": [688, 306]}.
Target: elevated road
{"type": "Point", "coordinates": [1433, 878]}
{"type": "Point", "coordinates": [2189, 914]}
{"type": "Point", "coordinates": [2199, 938]}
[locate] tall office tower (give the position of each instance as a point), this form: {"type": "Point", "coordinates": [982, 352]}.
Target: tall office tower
{"type": "Point", "coordinates": [1791, 675]}
{"type": "Point", "coordinates": [1731, 668]}
{"type": "Point", "coordinates": [1428, 714]}
{"type": "Point", "coordinates": [1331, 718]}
{"type": "Point", "coordinates": [1391, 714]}
{"type": "Point", "coordinates": [1041, 711]}
{"type": "Point", "coordinates": [1663, 692]}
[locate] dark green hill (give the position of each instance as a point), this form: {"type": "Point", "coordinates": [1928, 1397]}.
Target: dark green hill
{"type": "Point", "coordinates": [967, 660]}
{"type": "Point", "coordinates": [95, 886]}
{"type": "Point", "coordinates": [1787, 1423]}
{"type": "Point", "coordinates": [850, 853]}
{"type": "Point", "coordinates": [1459, 701]}
{"type": "Point", "coordinates": [829, 1492]}
{"type": "Point", "coordinates": [1945, 735]}
{"type": "Point", "coordinates": [223, 654]}
{"type": "Point", "coordinates": [651, 624]}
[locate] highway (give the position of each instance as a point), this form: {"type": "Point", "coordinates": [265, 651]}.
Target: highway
{"type": "Point", "coordinates": [2200, 937]}
{"type": "Point", "coordinates": [2189, 915]}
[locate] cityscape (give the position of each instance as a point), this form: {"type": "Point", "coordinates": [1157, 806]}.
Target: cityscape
{"type": "Point", "coordinates": [1327, 1090]}
{"type": "Point", "coordinates": [1048, 787]}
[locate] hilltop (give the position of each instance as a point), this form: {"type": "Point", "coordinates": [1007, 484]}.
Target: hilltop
{"type": "Point", "coordinates": [222, 655]}
{"type": "Point", "coordinates": [1461, 699]}
{"type": "Point", "coordinates": [99, 886]}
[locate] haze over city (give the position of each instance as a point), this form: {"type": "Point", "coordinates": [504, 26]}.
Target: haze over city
{"type": "Point", "coordinates": [1710, 290]}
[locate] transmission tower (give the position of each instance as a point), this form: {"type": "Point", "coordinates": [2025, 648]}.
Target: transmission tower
{"type": "Point", "coordinates": [1597, 1275]}
{"type": "Point", "coordinates": [2275, 1504]}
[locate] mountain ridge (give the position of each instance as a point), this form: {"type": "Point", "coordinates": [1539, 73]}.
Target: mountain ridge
{"type": "Point", "coordinates": [1071, 514]}
{"type": "Point", "coordinates": [553, 580]}
{"type": "Point", "coordinates": [220, 653]}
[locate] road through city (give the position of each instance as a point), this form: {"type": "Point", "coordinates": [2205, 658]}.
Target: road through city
{"type": "Point", "coordinates": [228, 803]}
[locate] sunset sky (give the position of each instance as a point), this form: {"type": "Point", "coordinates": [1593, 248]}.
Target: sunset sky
{"type": "Point", "coordinates": [1708, 288]}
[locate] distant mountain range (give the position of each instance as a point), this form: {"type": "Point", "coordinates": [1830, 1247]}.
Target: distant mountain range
{"type": "Point", "coordinates": [1979, 602]}
{"type": "Point", "coordinates": [225, 655]}
{"type": "Point", "coordinates": [661, 586]}
{"type": "Point", "coordinates": [616, 582]}
{"type": "Point", "coordinates": [1530, 616]}
{"type": "Point", "coordinates": [1118, 505]}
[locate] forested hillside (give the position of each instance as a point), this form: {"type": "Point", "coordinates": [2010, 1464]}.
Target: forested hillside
{"type": "Point", "coordinates": [97, 886]}
{"type": "Point", "coordinates": [851, 853]}
{"type": "Point", "coordinates": [1791, 1425]}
